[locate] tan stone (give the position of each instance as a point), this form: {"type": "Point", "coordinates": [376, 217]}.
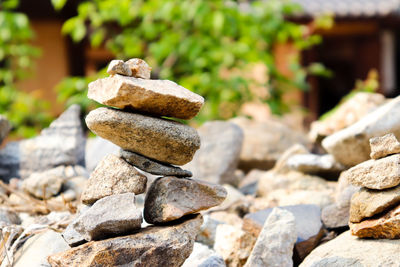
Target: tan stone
{"type": "Point", "coordinates": [385, 226]}
{"type": "Point", "coordinates": [118, 67]}
{"type": "Point", "coordinates": [384, 146]}
{"type": "Point", "coordinates": [376, 174]}
{"type": "Point", "coordinates": [139, 68]}
{"type": "Point", "coordinates": [170, 198]}
{"type": "Point", "coordinates": [160, 139]}
{"type": "Point", "coordinates": [366, 203]}
{"type": "Point", "coordinates": [157, 97]}
{"type": "Point", "coordinates": [113, 176]}
{"type": "Point", "coordinates": [166, 246]}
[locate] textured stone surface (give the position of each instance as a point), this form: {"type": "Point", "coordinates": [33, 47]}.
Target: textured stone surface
{"type": "Point", "coordinates": [265, 142]}
{"type": "Point", "coordinates": [152, 166]}
{"type": "Point", "coordinates": [350, 146]}
{"type": "Point", "coordinates": [321, 165]}
{"type": "Point", "coordinates": [348, 250]}
{"type": "Point", "coordinates": [386, 225]}
{"type": "Point", "coordinates": [139, 68]}
{"type": "Point", "coordinates": [170, 198]}
{"type": "Point", "coordinates": [167, 246]}
{"type": "Point", "coordinates": [157, 97]}
{"type": "Point", "coordinates": [202, 256]}
{"type": "Point", "coordinates": [5, 128]}
{"type": "Point", "coordinates": [366, 203]}
{"type": "Point", "coordinates": [96, 149]}
{"type": "Point", "coordinates": [274, 246]}
{"type": "Point", "coordinates": [218, 156]}
{"type": "Point", "coordinates": [112, 215]}
{"type": "Point", "coordinates": [45, 184]}
{"type": "Point", "coordinates": [63, 143]}
{"type": "Point", "coordinates": [376, 174]}
{"type": "Point", "coordinates": [118, 67]}
{"type": "Point", "coordinates": [160, 139]}
{"type": "Point", "coordinates": [384, 146]}
{"type": "Point", "coordinates": [113, 176]}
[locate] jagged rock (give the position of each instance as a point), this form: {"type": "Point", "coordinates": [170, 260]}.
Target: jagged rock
{"type": "Point", "coordinates": [265, 142]}
{"type": "Point", "coordinates": [350, 146]}
{"type": "Point", "coordinates": [384, 146]}
{"type": "Point", "coordinates": [96, 149]}
{"type": "Point", "coordinates": [202, 256]}
{"type": "Point", "coordinates": [218, 156]}
{"type": "Point", "coordinates": [347, 250]}
{"type": "Point", "coordinates": [157, 97]}
{"type": "Point", "coordinates": [153, 246]}
{"type": "Point", "coordinates": [152, 166]}
{"type": "Point", "coordinates": [45, 184]}
{"type": "Point", "coordinates": [5, 128]}
{"type": "Point", "coordinates": [376, 174]}
{"type": "Point", "coordinates": [367, 203]}
{"type": "Point", "coordinates": [63, 143]}
{"type": "Point", "coordinates": [119, 67]}
{"type": "Point", "coordinates": [170, 198]}
{"type": "Point", "coordinates": [274, 246]}
{"type": "Point", "coordinates": [139, 68]}
{"type": "Point", "coordinates": [160, 139]}
{"type": "Point", "coordinates": [112, 215]}
{"type": "Point", "coordinates": [8, 217]}
{"type": "Point", "coordinates": [321, 165]}
{"type": "Point", "coordinates": [113, 176]}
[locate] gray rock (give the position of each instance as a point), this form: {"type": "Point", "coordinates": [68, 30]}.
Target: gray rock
{"type": "Point", "coordinates": [112, 215]}
{"type": "Point", "coordinates": [118, 67]}
{"type": "Point", "coordinates": [152, 166]}
{"type": "Point", "coordinates": [321, 165]}
{"type": "Point", "coordinates": [166, 246]}
{"type": "Point", "coordinates": [170, 198]}
{"type": "Point", "coordinates": [160, 139]}
{"type": "Point", "coordinates": [45, 184]}
{"type": "Point", "coordinates": [274, 246]}
{"type": "Point", "coordinates": [112, 176]}
{"type": "Point", "coordinates": [335, 216]}
{"type": "Point", "coordinates": [63, 143]}
{"type": "Point", "coordinates": [218, 156]}
{"type": "Point", "coordinates": [348, 250]}
{"type": "Point", "coordinates": [208, 231]}
{"type": "Point", "coordinates": [96, 149]}
{"type": "Point", "coordinates": [139, 68]}
{"type": "Point", "coordinates": [9, 217]}
{"type": "Point", "coordinates": [350, 146]}
{"type": "Point", "coordinates": [156, 97]}
{"type": "Point", "coordinates": [202, 256]}
{"type": "Point", "coordinates": [384, 146]}
{"type": "Point", "coordinates": [5, 128]}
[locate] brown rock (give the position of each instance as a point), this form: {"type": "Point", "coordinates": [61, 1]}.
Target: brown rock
{"type": "Point", "coordinates": [366, 202]}
{"type": "Point", "coordinates": [160, 139]}
{"type": "Point", "coordinates": [139, 68]}
{"type": "Point", "coordinates": [376, 174]}
{"type": "Point", "coordinates": [157, 97]}
{"type": "Point", "coordinates": [384, 146]}
{"type": "Point", "coordinates": [385, 226]}
{"type": "Point", "coordinates": [113, 176]}
{"type": "Point", "coordinates": [170, 198]}
{"type": "Point", "coordinates": [153, 246]}
{"type": "Point", "coordinates": [119, 67]}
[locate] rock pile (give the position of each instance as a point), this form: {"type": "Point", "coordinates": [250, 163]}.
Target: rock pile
{"type": "Point", "coordinates": [107, 232]}
{"type": "Point", "coordinates": [374, 209]}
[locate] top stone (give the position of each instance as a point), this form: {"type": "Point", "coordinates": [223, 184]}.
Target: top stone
{"type": "Point", "coordinates": [139, 68]}
{"type": "Point", "coordinates": [157, 97]}
{"type": "Point", "coordinates": [384, 146]}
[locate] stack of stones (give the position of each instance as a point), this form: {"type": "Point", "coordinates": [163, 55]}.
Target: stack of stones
{"type": "Point", "coordinates": [153, 144]}
{"type": "Point", "coordinates": [375, 208]}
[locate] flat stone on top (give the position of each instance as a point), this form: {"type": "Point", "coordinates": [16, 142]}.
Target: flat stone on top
{"type": "Point", "coordinates": [156, 97]}
{"type": "Point", "coordinates": [384, 146]}
{"type": "Point", "coordinates": [160, 139]}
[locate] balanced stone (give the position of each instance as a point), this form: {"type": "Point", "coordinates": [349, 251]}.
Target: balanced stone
{"type": "Point", "coordinates": [384, 146]}
{"type": "Point", "coordinates": [157, 97]}
{"type": "Point", "coordinates": [166, 246]}
{"type": "Point", "coordinates": [113, 176]}
{"type": "Point", "coordinates": [160, 139]}
{"type": "Point", "coordinates": [139, 68]}
{"type": "Point", "coordinates": [376, 174]}
{"type": "Point", "coordinates": [152, 166]}
{"type": "Point", "coordinates": [119, 67]}
{"type": "Point", "coordinates": [367, 203]}
{"type": "Point", "coordinates": [170, 198]}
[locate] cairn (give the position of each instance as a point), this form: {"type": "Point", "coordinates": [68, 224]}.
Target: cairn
{"type": "Point", "coordinates": [107, 232]}
{"type": "Point", "coordinates": [375, 209]}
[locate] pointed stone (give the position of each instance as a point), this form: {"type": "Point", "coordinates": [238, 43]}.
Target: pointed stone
{"type": "Point", "coordinates": [384, 146]}
{"type": "Point", "coordinates": [119, 67]}
{"type": "Point", "coordinates": [170, 198]}
{"type": "Point", "coordinates": [139, 68]}
{"type": "Point", "coordinates": [159, 139]}
{"type": "Point", "coordinates": [166, 246]}
{"type": "Point", "coordinates": [113, 176]}
{"type": "Point", "coordinates": [156, 97]}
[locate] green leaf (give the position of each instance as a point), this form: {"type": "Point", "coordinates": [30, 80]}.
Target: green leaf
{"type": "Point", "coordinates": [58, 4]}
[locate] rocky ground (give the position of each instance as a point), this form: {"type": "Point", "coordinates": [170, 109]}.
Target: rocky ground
{"type": "Point", "coordinates": [329, 197]}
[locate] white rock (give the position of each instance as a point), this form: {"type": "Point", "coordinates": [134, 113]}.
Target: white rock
{"type": "Point", "coordinates": [202, 256]}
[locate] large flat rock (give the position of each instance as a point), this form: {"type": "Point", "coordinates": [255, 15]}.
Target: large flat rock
{"type": "Point", "coordinates": [157, 97]}
{"type": "Point", "coordinates": [160, 139]}
{"type": "Point", "coordinates": [166, 246]}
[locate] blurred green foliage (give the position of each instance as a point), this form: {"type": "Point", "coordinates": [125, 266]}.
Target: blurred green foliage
{"type": "Point", "coordinates": [206, 46]}
{"type": "Point", "coordinates": [26, 113]}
